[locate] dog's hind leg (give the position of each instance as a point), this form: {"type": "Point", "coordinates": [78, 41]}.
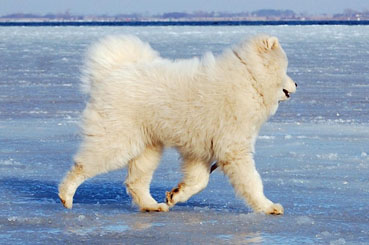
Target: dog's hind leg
{"type": "Point", "coordinates": [74, 178]}
{"type": "Point", "coordinates": [196, 178]}
{"type": "Point", "coordinates": [96, 156]}
{"type": "Point", "coordinates": [140, 171]}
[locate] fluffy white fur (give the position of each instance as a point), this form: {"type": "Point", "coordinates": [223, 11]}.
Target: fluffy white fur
{"type": "Point", "coordinates": [210, 109]}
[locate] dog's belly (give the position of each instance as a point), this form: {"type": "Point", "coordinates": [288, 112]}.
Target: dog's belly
{"type": "Point", "coordinates": [188, 142]}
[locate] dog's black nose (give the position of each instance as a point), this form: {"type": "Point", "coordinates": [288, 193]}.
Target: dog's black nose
{"type": "Point", "coordinates": [296, 85]}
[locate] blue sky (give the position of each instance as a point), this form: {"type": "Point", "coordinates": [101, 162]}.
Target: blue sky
{"type": "Point", "coordinates": [161, 6]}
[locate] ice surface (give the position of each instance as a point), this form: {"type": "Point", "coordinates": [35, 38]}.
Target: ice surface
{"type": "Point", "coordinates": [312, 155]}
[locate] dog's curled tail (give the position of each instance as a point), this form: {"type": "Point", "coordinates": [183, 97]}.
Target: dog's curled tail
{"type": "Point", "coordinates": [111, 53]}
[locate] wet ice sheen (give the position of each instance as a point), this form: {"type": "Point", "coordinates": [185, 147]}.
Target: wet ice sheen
{"type": "Point", "coordinates": [312, 155]}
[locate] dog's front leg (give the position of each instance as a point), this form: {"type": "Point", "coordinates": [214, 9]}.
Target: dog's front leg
{"type": "Point", "coordinates": [241, 171]}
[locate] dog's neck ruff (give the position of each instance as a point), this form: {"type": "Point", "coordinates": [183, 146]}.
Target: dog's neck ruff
{"type": "Point", "coordinates": [239, 57]}
{"type": "Point", "coordinates": [244, 63]}
{"type": "Point", "coordinates": [250, 73]}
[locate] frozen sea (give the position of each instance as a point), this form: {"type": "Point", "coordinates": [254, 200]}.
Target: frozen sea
{"type": "Point", "coordinates": [313, 155]}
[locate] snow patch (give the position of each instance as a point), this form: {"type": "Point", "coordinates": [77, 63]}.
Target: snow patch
{"type": "Point", "coordinates": [328, 156]}
{"type": "Point", "coordinates": [288, 137]}
{"type": "Point", "coordinates": [266, 137]}
{"type": "Point", "coordinates": [25, 220]}
{"type": "Point", "coordinates": [201, 209]}
{"type": "Point", "coordinates": [338, 242]}
{"type": "Point", "coordinates": [324, 234]}
{"type": "Point", "coordinates": [81, 217]}
{"type": "Point", "coordinates": [304, 220]}
{"type": "Point", "coordinates": [10, 162]}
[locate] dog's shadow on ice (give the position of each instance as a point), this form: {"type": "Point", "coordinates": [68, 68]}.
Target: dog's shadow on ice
{"type": "Point", "coordinates": [92, 192]}
{"type": "Point", "coordinates": [28, 190]}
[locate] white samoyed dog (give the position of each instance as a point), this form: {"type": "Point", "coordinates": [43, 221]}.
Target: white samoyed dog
{"type": "Point", "coordinates": [209, 109]}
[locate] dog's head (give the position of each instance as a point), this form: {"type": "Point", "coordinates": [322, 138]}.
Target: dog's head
{"type": "Point", "coordinates": [267, 63]}
{"type": "Point", "coordinates": [275, 61]}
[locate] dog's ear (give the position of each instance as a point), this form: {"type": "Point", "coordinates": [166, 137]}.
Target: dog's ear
{"type": "Point", "coordinates": [268, 44]}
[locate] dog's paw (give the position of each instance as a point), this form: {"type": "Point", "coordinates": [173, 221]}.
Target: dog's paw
{"type": "Point", "coordinates": [275, 209]}
{"type": "Point", "coordinates": [169, 198]}
{"type": "Point", "coordinates": [66, 201]}
{"type": "Point", "coordinates": [160, 207]}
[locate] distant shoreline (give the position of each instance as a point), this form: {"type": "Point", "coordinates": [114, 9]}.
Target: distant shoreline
{"type": "Point", "coordinates": [185, 23]}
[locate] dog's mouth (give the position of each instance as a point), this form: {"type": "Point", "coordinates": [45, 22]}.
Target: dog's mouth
{"type": "Point", "coordinates": [287, 93]}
